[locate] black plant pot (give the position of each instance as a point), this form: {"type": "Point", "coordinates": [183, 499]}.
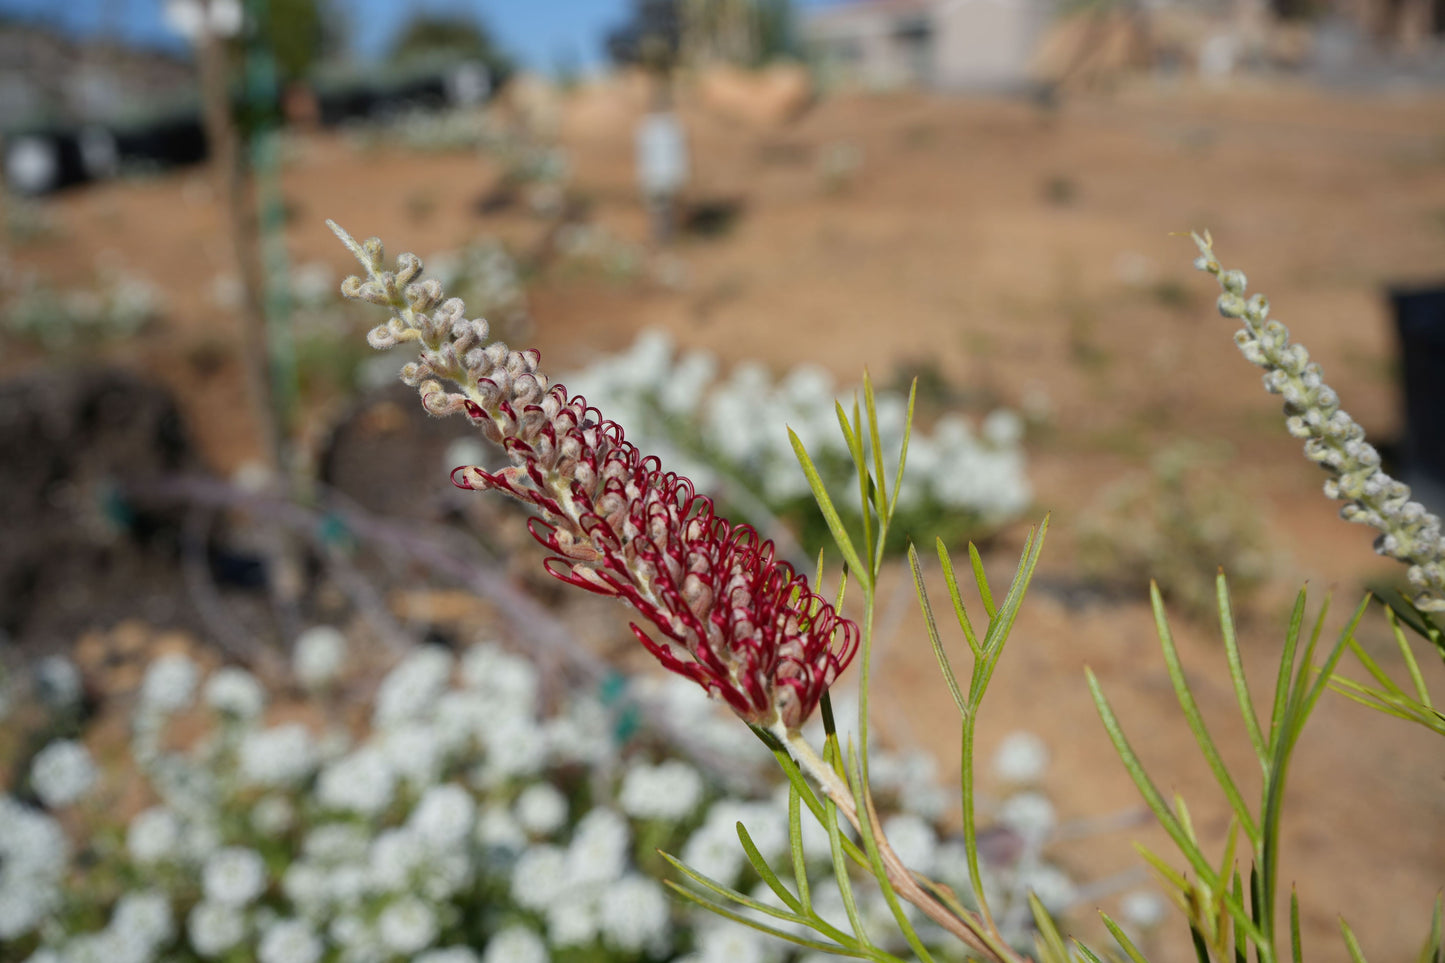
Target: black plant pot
{"type": "Point", "coordinates": [1420, 320]}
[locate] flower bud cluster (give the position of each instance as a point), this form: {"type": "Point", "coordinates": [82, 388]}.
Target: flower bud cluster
{"type": "Point", "coordinates": [1333, 440]}
{"type": "Point", "coordinates": [727, 613]}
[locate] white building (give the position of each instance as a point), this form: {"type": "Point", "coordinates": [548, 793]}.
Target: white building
{"type": "Point", "coordinates": [940, 44]}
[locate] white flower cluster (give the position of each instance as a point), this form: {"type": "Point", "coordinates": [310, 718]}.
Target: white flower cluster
{"type": "Point", "coordinates": [733, 432]}
{"type": "Point", "coordinates": [117, 306]}
{"type": "Point", "coordinates": [466, 825]}
{"type": "Point", "coordinates": [33, 861]}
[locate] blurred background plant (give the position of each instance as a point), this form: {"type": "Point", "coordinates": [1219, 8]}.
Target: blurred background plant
{"type": "Point", "coordinates": [730, 435]}
{"type": "Point", "coordinates": [456, 807]}
{"type": "Point", "coordinates": [1177, 526]}
{"type": "Point", "coordinates": [63, 319]}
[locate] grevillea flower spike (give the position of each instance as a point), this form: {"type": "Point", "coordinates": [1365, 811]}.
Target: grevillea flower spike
{"type": "Point", "coordinates": [724, 610]}
{"type": "Point", "coordinates": [1333, 440]}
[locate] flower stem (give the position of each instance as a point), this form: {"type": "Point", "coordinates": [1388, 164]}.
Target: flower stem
{"type": "Point", "coordinates": [978, 935]}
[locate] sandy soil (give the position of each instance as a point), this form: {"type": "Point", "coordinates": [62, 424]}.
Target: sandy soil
{"type": "Point", "coordinates": [1027, 255]}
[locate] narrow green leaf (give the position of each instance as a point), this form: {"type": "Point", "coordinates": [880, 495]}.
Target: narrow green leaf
{"type": "Point", "coordinates": [1351, 944]}
{"type": "Point", "coordinates": [1167, 820]}
{"type": "Point", "coordinates": [727, 892]}
{"type": "Point", "coordinates": [1373, 667]}
{"type": "Point", "coordinates": [839, 949]}
{"type": "Point", "coordinates": [766, 872]}
{"type": "Point", "coordinates": [1167, 874]}
{"type": "Point", "coordinates": [840, 875]}
{"type": "Point", "coordinates": [1408, 655]}
{"type": "Point", "coordinates": [982, 579]}
{"type": "Point", "coordinates": [970, 817]}
{"type": "Point", "coordinates": [1300, 687]}
{"type": "Point", "coordinates": [1122, 938]}
{"type": "Point", "coordinates": [949, 678]}
{"type": "Point", "coordinates": [830, 514]}
{"type": "Point", "coordinates": [1089, 955]}
{"type": "Point", "coordinates": [1201, 947]}
{"type": "Point", "coordinates": [1241, 942]}
{"type": "Point", "coordinates": [1300, 703]}
{"type": "Point", "coordinates": [1431, 951]}
{"type": "Point", "coordinates": [1001, 620]}
{"type": "Point", "coordinates": [1236, 669]}
{"type": "Point", "coordinates": [854, 435]}
{"type": "Point", "coordinates": [1195, 718]}
{"type": "Point", "coordinates": [880, 478]}
{"type": "Point", "coordinates": [1231, 839]}
{"type": "Point", "coordinates": [1181, 811]}
{"type": "Point", "coordinates": [850, 433]}
{"type": "Point", "coordinates": [903, 449]}
{"type": "Point", "coordinates": [1397, 706]}
{"type": "Point", "coordinates": [1147, 789]}
{"type": "Point", "coordinates": [954, 594]}
{"type": "Point", "coordinates": [1323, 673]}
{"type": "Point", "coordinates": [1048, 934]}
{"type": "Point", "coordinates": [1286, 669]}
{"type": "Point", "coordinates": [795, 847]}
{"type": "Point", "coordinates": [1296, 946]}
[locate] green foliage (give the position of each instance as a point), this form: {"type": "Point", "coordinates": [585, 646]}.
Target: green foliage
{"type": "Point", "coordinates": [301, 33]}
{"type": "Point", "coordinates": [451, 35]}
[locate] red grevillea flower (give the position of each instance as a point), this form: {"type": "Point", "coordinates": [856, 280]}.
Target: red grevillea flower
{"type": "Point", "coordinates": [724, 610]}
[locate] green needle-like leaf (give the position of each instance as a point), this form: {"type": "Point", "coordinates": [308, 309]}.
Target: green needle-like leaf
{"type": "Point", "coordinates": [1049, 941]}
{"type": "Point", "coordinates": [1122, 938]}
{"type": "Point", "coordinates": [1147, 789]}
{"type": "Point", "coordinates": [830, 514]}
{"type": "Point", "coordinates": [1196, 719]}
{"type": "Point", "coordinates": [853, 432]}
{"type": "Point", "coordinates": [875, 442]}
{"type": "Point", "coordinates": [1351, 944]}
{"type": "Point", "coordinates": [1201, 946]}
{"type": "Point", "coordinates": [981, 578]}
{"type": "Point", "coordinates": [1236, 670]}
{"type": "Point", "coordinates": [1296, 946]}
{"type": "Point", "coordinates": [944, 665]}
{"type": "Point", "coordinates": [795, 848]}
{"type": "Point", "coordinates": [1001, 620]}
{"type": "Point", "coordinates": [839, 948]}
{"type": "Point", "coordinates": [1286, 669]}
{"type": "Point", "coordinates": [954, 594]}
{"type": "Point", "coordinates": [1431, 952]}
{"type": "Point", "coordinates": [903, 449]}
{"type": "Point", "coordinates": [766, 872]}
{"type": "Point", "coordinates": [840, 875]}
{"type": "Point", "coordinates": [1408, 655]}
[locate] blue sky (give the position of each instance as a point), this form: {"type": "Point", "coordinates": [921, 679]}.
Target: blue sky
{"type": "Point", "coordinates": [540, 33]}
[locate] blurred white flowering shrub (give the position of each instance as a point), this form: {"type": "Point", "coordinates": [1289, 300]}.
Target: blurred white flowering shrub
{"type": "Point", "coordinates": [468, 821]}
{"type": "Point", "coordinates": [117, 305]}
{"type": "Point", "coordinates": [728, 433]}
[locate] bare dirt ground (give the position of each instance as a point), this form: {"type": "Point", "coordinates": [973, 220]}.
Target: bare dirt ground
{"type": "Point", "coordinates": [1026, 254]}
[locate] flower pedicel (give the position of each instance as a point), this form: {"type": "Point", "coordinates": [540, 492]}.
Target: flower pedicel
{"type": "Point", "coordinates": [728, 613]}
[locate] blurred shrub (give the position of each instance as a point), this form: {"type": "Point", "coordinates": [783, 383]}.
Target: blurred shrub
{"type": "Point", "coordinates": [730, 435]}
{"type": "Point", "coordinates": [118, 306]}
{"type": "Point", "coordinates": [1173, 526]}
{"type": "Point", "coordinates": [471, 818]}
